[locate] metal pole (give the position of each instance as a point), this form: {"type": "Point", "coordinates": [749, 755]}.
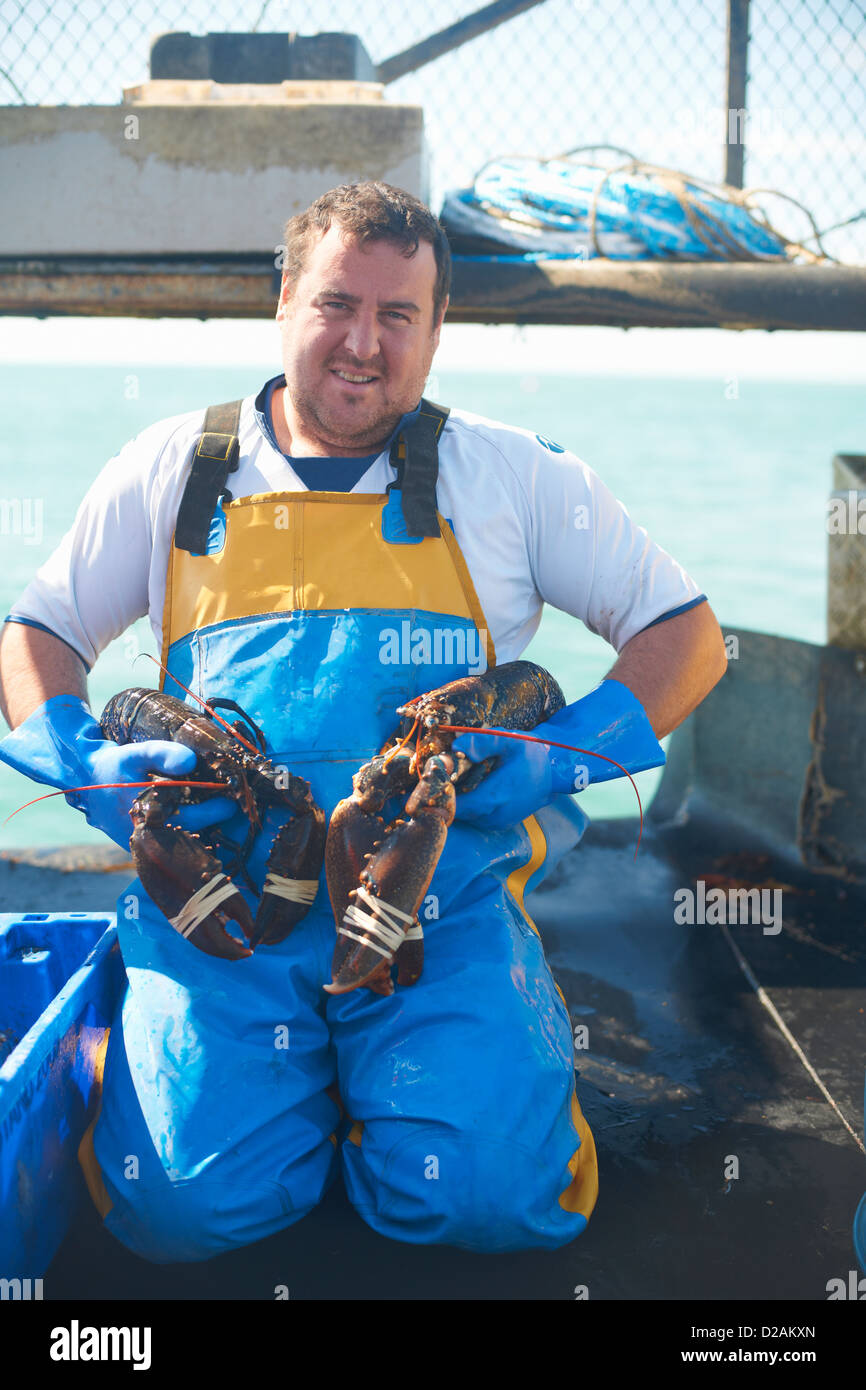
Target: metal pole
{"type": "Point", "coordinates": [479, 22]}
{"type": "Point", "coordinates": [846, 559]}
{"type": "Point", "coordinates": [737, 77]}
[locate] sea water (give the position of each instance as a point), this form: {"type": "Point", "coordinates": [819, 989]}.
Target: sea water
{"type": "Point", "coordinates": [730, 477]}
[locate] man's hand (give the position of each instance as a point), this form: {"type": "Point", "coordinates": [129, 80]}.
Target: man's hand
{"type": "Point", "coordinates": [517, 787]}
{"type": "Point", "coordinates": [662, 675]}
{"type": "Point", "coordinates": [592, 740]}
{"type": "Point", "coordinates": [104, 761]}
{"type": "Point", "coordinates": [58, 742]}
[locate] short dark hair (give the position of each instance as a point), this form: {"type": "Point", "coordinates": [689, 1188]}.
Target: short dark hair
{"type": "Point", "coordinates": [370, 212]}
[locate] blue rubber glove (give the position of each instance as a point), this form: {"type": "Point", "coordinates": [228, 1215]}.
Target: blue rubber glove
{"type": "Point", "coordinates": [610, 720]}
{"type": "Point", "coordinates": [62, 745]}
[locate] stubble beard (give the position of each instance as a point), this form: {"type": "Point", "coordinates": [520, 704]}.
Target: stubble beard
{"type": "Point", "coordinates": [331, 428]}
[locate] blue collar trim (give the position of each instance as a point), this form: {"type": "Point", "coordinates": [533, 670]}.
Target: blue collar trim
{"type": "Point", "coordinates": [263, 414]}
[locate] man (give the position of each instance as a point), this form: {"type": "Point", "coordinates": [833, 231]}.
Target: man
{"type": "Point", "coordinates": [355, 514]}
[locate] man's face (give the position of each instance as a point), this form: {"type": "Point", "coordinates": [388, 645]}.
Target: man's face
{"type": "Point", "coordinates": [358, 312]}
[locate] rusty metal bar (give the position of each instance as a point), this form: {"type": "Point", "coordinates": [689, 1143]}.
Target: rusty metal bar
{"type": "Point", "coordinates": [453, 37]}
{"type": "Point", "coordinates": [661, 294]}
{"type": "Point", "coordinates": [141, 287]}
{"type": "Point", "coordinates": [654, 294]}
{"type": "Point", "coordinates": [737, 79]}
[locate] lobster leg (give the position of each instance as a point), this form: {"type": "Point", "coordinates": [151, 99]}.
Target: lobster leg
{"type": "Point", "coordinates": [186, 882]}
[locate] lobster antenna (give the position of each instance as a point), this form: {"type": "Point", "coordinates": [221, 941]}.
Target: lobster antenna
{"type": "Point", "coordinates": [102, 786]}
{"type": "Point", "coordinates": [204, 704]}
{"type": "Point", "coordinates": [532, 738]}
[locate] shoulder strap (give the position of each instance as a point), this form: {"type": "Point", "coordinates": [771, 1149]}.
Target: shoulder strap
{"type": "Point", "coordinates": [415, 455]}
{"type": "Point", "coordinates": [216, 456]}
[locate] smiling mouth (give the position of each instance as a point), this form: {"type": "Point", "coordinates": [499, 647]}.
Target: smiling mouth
{"type": "Point", "coordinates": [353, 378]}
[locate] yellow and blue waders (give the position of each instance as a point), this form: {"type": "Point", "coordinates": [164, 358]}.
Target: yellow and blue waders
{"type": "Point", "coordinates": [216, 1126]}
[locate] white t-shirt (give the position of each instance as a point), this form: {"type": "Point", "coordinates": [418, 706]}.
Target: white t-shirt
{"type": "Point", "coordinates": [534, 523]}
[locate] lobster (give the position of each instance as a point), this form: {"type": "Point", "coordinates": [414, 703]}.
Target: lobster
{"type": "Point", "coordinates": [179, 869]}
{"type": "Point", "coordinates": [378, 873]}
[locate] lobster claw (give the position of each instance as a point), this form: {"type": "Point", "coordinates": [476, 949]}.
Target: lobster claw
{"type": "Point", "coordinates": [391, 866]}
{"type": "Point", "coordinates": [180, 872]}
{"type": "Point", "coordinates": [209, 933]}
{"type": "Point", "coordinates": [410, 957]}
{"type": "Point", "coordinates": [292, 880]}
{"type": "Point", "coordinates": [189, 887]}
{"type": "Point", "coordinates": [409, 961]}
{"type": "Point", "coordinates": [380, 922]}
{"type": "Point", "coordinates": [373, 933]}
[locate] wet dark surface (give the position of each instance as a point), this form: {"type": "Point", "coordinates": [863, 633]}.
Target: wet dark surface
{"type": "Point", "coordinates": [684, 1069]}
{"type": "Point", "coordinates": [76, 879]}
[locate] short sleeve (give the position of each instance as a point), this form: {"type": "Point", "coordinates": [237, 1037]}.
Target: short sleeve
{"type": "Point", "coordinates": [95, 584]}
{"type": "Point", "coordinates": [591, 560]}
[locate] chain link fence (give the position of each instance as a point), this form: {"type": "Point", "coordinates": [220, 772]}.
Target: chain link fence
{"type": "Point", "coordinates": [648, 76]}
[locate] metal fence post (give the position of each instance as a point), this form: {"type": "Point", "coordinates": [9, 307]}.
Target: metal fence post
{"type": "Point", "coordinates": [737, 77]}
{"type": "Point", "coordinates": [846, 568]}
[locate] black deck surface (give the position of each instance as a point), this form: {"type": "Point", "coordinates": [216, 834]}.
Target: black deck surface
{"type": "Point", "coordinates": [685, 1067]}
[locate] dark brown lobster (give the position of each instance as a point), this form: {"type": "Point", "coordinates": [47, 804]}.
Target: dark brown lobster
{"type": "Point", "coordinates": [179, 869]}
{"type": "Point", "coordinates": [378, 873]}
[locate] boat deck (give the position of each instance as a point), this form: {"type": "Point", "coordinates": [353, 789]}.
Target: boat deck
{"type": "Point", "coordinates": [685, 1067]}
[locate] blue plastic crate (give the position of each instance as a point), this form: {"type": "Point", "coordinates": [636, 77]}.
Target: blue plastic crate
{"type": "Point", "coordinates": [60, 977]}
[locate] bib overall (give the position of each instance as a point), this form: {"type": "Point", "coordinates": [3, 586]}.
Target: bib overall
{"type": "Point", "coordinates": [320, 613]}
